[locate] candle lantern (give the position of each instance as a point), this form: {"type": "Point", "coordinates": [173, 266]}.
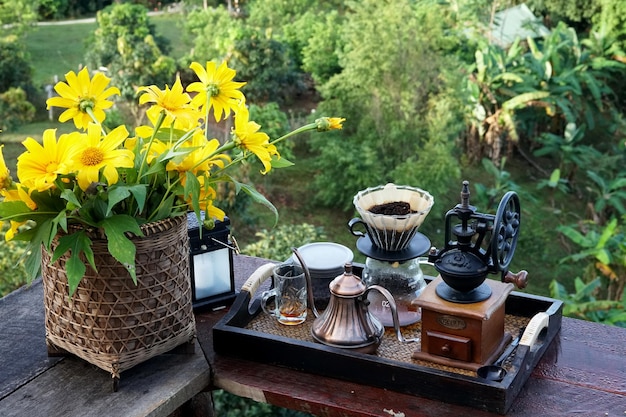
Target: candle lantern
{"type": "Point", "coordinates": [212, 276]}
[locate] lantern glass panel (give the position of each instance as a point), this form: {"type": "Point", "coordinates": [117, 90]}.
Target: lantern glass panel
{"type": "Point", "coordinates": [212, 273]}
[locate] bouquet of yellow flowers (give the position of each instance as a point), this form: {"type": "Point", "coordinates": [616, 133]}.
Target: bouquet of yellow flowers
{"type": "Point", "coordinates": [111, 181]}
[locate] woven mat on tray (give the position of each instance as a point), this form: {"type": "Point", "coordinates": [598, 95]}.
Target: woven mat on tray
{"type": "Point", "coordinates": [390, 348]}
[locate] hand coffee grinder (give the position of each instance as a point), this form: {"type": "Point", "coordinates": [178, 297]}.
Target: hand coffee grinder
{"type": "Point", "coordinates": [462, 312]}
{"type": "Point", "coordinates": [391, 215]}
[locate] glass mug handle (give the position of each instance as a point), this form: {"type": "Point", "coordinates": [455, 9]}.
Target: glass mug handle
{"type": "Point", "coordinates": [265, 297]}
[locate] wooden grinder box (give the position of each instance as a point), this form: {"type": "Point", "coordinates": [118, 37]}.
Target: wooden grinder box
{"type": "Point", "coordinates": [463, 335]}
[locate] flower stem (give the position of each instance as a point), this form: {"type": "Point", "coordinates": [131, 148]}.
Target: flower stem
{"type": "Point", "coordinates": [302, 129]}
{"type": "Point", "coordinates": [91, 114]}
{"type": "Point", "coordinates": [152, 137]}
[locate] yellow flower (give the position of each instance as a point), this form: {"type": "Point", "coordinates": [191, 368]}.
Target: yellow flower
{"type": "Point", "coordinates": [80, 95]}
{"type": "Point", "coordinates": [329, 123]}
{"type": "Point", "coordinates": [39, 166]}
{"type": "Point", "coordinates": [216, 88]}
{"type": "Point", "coordinates": [5, 175]}
{"type": "Point", "coordinates": [174, 102]}
{"type": "Point", "coordinates": [155, 149]}
{"type": "Point", "coordinates": [10, 234]}
{"type": "Point", "coordinates": [95, 153]}
{"type": "Point", "coordinates": [201, 158]}
{"type": "Point", "coordinates": [247, 137]}
{"type": "Point", "coordinates": [206, 197]}
{"type": "Point", "coordinates": [19, 193]}
{"type": "Point", "coordinates": [153, 114]}
{"type": "Point", "coordinates": [213, 212]}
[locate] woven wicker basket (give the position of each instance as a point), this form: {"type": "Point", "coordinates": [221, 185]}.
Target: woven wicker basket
{"type": "Point", "coordinates": [112, 323]}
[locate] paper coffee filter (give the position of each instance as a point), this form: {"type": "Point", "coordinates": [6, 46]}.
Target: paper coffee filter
{"type": "Point", "coordinates": [420, 201]}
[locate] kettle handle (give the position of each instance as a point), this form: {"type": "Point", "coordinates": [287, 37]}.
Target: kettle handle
{"type": "Point", "coordinates": [309, 283]}
{"type": "Point", "coordinates": [394, 311]}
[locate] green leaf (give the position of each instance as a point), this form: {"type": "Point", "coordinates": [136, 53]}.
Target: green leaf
{"type": "Point", "coordinates": [617, 318]}
{"type": "Point", "coordinates": [480, 66]}
{"type": "Point", "coordinates": [557, 290]}
{"type": "Point", "coordinates": [575, 236]}
{"type": "Point", "coordinates": [116, 194]}
{"type": "Point", "coordinates": [281, 162]}
{"type": "Point", "coordinates": [173, 153]}
{"type": "Point", "coordinates": [39, 236]}
{"type": "Point", "coordinates": [192, 189]}
{"type": "Point", "coordinates": [32, 260]}
{"type": "Point", "coordinates": [69, 196]}
{"type": "Point", "coordinates": [522, 100]}
{"type": "Point", "coordinates": [155, 168]}
{"type": "Point", "coordinates": [533, 48]}
{"type": "Point", "coordinates": [258, 198]}
{"type": "Point", "coordinates": [120, 246]}
{"type": "Point", "coordinates": [10, 209]}
{"type": "Point", "coordinates": [76, 243]}
{"type": "Point", "coordinates": [75, 270]}
{"type": "Point", "coordinates": [140, 192]}
{"type": "Point", "coordinates": [121, 192]}
{"type": "Point", "coordinates": [555, 177]}
{"type": "Point", "coordinates": [508, 76]}
{"type": "Point", "coordinates": [166, 209]}
{"type": "Point", "coordinates": [570, 132]}
{"type": "Point", "coordinates": [607, 233]}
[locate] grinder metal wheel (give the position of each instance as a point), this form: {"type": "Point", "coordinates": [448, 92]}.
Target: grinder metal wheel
{"type": "Point", "coordinates": [505, 231]}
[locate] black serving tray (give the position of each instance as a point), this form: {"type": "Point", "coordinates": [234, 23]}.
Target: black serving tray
{"type": "Point", "coordinates": [233, 336]}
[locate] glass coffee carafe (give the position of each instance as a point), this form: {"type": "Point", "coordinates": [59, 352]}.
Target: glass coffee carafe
{"type": "Point", "coordinates": [404, 280]}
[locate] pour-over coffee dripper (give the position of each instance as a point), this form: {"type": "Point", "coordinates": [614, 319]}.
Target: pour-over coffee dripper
{"type": "Point", "coordinates": [391, 232]}
{"type": "Point", "coordinates": [393, 246]}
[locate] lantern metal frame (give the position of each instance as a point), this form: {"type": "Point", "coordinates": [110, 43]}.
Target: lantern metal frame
{"type": "Point", "coordinates": [211, 264]}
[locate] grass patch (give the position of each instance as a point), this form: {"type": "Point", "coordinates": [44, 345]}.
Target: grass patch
{"type": "Point", "coordinates": [169, 26]}
{"type": "Point", "coordinates": [59, 48]}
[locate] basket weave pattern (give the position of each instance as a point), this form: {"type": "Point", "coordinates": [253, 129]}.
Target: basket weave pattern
{"type": "Point", "coordinates": [112, 323]}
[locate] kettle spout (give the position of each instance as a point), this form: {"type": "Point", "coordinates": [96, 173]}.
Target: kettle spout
{"type": "Point", "coordinates": [309, 283]}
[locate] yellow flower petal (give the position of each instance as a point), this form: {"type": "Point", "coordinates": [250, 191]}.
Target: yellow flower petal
{"type": "Point", "coordinates": [248, 137]}
{"type": "Point", "coordinates": [174, 102]}
{"type": "Point", "coordinates": [39, 166]}
{"type": "Point", "coordinates": [216, 88]}
{"type": "Point", "coordinates": [80, 96]}
{"type": "Point", "coordinates": [95, 154]}
{"type": "Point", "coordinates": [5, 175]}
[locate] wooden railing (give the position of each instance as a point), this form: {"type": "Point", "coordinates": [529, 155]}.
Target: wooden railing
{"type": "Point", "coordinates": [583, 373]}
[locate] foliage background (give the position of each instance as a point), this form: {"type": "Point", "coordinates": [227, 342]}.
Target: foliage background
{"type": "Point", "coordinates": [428, 101]}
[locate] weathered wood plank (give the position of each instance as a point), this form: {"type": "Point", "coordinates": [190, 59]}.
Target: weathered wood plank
{"type": "Point", "coordinates": [23, 353]}
{"type": "Point", "coordinates": [31, 384]}
{"type": "Point", "coordinates": [155, 388]}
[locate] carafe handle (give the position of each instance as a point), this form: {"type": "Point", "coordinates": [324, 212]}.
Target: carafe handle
{"type": "Point", "coordinates": [394, 311]}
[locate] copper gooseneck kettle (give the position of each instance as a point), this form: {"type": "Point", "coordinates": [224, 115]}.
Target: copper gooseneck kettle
{"type": "Point", "coordinates": [346, 322]}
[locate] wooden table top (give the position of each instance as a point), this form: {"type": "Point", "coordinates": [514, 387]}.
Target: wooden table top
{"type": "Point", "coordinates": [583, 373]}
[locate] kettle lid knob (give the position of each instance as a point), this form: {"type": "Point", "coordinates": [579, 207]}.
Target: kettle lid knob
{"type": "Point", "coordinates": [347, 284]}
